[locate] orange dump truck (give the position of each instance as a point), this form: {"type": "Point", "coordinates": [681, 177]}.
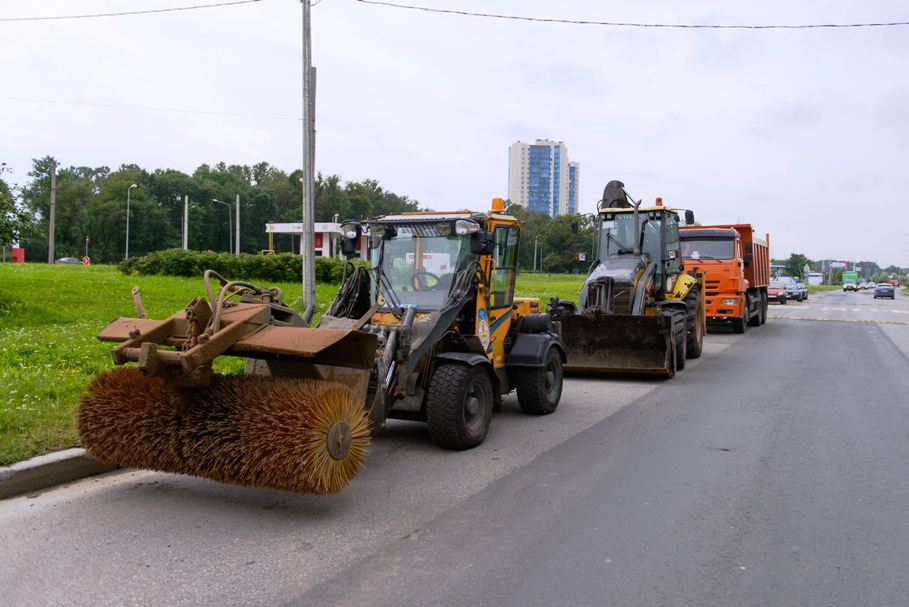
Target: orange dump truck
{"type": "Point", "coordinates": [738, 270]}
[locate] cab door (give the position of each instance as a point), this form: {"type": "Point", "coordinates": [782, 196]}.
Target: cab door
{"type": "Point", "coordinates": [502, 282]}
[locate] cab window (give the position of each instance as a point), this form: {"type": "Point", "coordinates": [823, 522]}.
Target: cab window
{"type": "Point", "coordinates": [505, 272]}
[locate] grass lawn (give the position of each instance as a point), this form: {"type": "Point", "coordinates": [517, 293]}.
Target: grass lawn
{"type": "Point", "coordinates": [50, 315]}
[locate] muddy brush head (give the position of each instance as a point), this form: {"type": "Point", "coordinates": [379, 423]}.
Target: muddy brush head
{"type": "Point", "coordinates": [306, 436]}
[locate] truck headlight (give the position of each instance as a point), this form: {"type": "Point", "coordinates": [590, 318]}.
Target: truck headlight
{"type": "Point", "coordinates": [729, 302]}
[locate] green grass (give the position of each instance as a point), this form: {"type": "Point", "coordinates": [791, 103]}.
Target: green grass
{"type": "Point", "coordinates": [50, 315]}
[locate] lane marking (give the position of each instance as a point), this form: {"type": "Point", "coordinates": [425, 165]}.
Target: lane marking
{"type": "Point", "coordinates": [878, 322]}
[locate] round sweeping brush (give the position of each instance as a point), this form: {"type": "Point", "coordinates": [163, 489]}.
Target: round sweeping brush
{"type": "Point", "coordinates": [125, 418]}
{"type": "Point", "coordinates": [307, 436]}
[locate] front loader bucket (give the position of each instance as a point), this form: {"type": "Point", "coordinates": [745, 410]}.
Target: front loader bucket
{"type": "Point", "coordinates": [605, 343]}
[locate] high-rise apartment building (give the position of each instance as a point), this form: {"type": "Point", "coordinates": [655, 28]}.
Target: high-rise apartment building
{"type": "Point", "coordinates": [574, 176]}
{"type": "Point", "coordinates": [541, 178]}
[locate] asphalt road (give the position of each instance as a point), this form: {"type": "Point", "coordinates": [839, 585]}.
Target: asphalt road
{"type": "Point", "coordinates": [772, 471]}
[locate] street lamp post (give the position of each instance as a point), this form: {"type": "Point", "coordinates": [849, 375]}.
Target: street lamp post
{"type": "Point", "coordinates": [230, 225]}
{"type": "Point", "coordinates": [535, 239]}
{"type": "Point", "coordinates": [128, 190]}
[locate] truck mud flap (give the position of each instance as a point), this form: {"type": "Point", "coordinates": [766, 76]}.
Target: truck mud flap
{"type": "Point", "coordinates": [602, 343]}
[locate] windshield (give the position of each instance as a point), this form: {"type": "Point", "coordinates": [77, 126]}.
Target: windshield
{"type": "Point", "coordinates": [658, 238]}
{"type": "Point", "coordinates": [617, 235]}
{"type": "Point", "coordinates": [708, 248]}
{"type": "Point", "coordinates": [418, 264]}
{"type": "Point", "coordinates": [775, 285]}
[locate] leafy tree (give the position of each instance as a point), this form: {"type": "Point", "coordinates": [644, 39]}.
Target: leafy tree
{"type": "Point", "coordinates": [92, 202]}
{"type": "Point", "coordinates": [14, 221]}
{"type": "Point", "coordinates": [562, 245]}
{"type": "Point", "coordinates": [535, 224]}
{"type": "Point", "coordinates": [795, 265]}
{"type": "Point", "coordinates": [76, 189]}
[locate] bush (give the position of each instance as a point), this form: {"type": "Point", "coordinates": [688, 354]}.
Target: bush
{"type": "Point", "coordinates": [281, 267]}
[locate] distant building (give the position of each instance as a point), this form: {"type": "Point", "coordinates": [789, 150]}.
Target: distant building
{"type": "Point", "coordinates": [541, 178]}
{"type": "Point", "coordinates": [574, 177]}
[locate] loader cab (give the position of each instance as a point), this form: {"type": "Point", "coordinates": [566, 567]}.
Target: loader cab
{"type": "Point", "coordinates": [657, 237]}
{"type": "Point", "coordinates": [419, 258]}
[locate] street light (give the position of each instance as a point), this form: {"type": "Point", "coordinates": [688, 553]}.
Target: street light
{"type": "Point", "coordinates": [128, 190]}
{"type": "Point", "coordinates": [230, 225]}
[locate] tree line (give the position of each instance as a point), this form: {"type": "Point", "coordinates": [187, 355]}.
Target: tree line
{"type": "Point", "coordinates": [91, 204]}
{"type": "Point", "coordinates": [869, 270]}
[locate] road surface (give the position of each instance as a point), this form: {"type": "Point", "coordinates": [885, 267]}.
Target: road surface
{"type": "Point", "coordinates": [772, 471]}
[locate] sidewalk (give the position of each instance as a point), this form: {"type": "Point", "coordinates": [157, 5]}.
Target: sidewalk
{"type": "Point", "coordinates": [45, 471]}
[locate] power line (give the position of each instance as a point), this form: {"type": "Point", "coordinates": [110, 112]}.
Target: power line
{"type": "Point", "coordinates": [628, 24]}
{"type": "Point", "coordinates": [146, 12]}
{"type": "Point", "coordinates": [150, 109]}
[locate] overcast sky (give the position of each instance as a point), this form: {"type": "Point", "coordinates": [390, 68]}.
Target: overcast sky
{"type": "Point", "coordinates": [803, 133]}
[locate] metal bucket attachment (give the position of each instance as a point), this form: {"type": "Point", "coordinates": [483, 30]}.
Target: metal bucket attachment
{"type": "Point", "coordinates": [604, 343]}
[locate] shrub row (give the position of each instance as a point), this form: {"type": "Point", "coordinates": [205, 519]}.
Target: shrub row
{"type": "Point", "coordinates": [281, 267]}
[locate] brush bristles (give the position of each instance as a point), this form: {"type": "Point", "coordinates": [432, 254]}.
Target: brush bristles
{"type": "Point", "coordinates": [244, 430]}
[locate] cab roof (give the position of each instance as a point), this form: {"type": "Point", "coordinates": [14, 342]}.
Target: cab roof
{"type": "Point", "coordinates": [430, 216]}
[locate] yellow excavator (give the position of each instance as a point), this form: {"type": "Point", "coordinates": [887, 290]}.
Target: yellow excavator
{"type": "Point", "coordinates": [639, 310]}
{"type": "Point", "coordinates": [431, 331]}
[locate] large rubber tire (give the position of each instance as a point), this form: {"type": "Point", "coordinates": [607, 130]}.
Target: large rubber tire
{"type": "Point", "coordinates": [695, 330]}
{"type": "Point", "coordinates": [755, 321]}
{"type": "Point", "coordinates": [764, 307]}
{"type": "Point", "coordinates": [540, 389]}
{"type": "Point", "coordinates": [459, 405]}
{"type": "Point", "coordinates": [740, 324]}
{"type": "Point", "coordinates": [681, 341]}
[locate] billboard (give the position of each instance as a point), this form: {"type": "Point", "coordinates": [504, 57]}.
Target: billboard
{"type": "Point", "coordinates": [838, 265]}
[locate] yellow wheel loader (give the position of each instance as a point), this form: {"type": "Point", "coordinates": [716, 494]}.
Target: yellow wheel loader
{"type": "Point", "coordinates": [639, 311]}
{"type": "Point", "coordinates": [430, 331]}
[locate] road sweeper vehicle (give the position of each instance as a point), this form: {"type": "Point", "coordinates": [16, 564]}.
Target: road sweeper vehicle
{"type": "Point", "coordinates": [430, 331]}
{"type": "Point", "coordinates": [639, 311]}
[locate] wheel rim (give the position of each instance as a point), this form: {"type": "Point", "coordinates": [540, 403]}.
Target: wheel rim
{"type": "Point", "coordinates": [474, 405]}
{"type": "Point", "coordinates": [552, 384]}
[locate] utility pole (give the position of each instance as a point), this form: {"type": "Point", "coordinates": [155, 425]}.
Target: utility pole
{"type": "Point", "coordinates": [185, 223]}
{"type": "Point", "coordinates": [307, 237]}
{"type": "Point", "coordinates": [237, 248]}
{"type": "Point", "coordinates": [53, 204]}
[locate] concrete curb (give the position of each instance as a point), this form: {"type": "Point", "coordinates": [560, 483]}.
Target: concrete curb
{"type": "Point", "coordinates": [46, 471]}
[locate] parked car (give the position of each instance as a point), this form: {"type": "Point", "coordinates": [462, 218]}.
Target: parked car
{"type": "Point", "coordinates": [803, 289]}
{"type": "Point", "coordinates": [884, 290]}
{"type": "Point", "coordinates": [872, 285]}
{"type": "Point", "coordinates": [776, 291]}
{"type": "Point", "coordinates": [793, 291]}
{"type": "Point", "coordinates": [68, 260]}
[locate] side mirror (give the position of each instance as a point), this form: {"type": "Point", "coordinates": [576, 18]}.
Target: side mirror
{"type": "Point", "coordinates": [689, 218]}
{"type": "Point", "coordinates": [574, 226]}
{"type": "Point", "coordinates": [482, 243]}
{"type": "Point", "coordinates": [747, 258]}
{"type": "Point", "coordinates": [749, 247]}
